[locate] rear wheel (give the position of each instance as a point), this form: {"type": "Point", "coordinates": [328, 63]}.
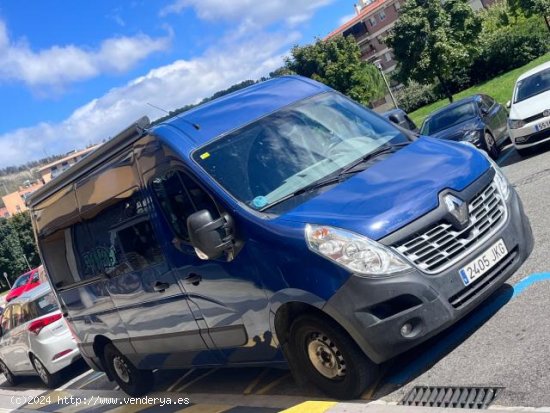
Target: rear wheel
{"type": "Point", "coordinates": [132, 380]}
{"type": "Point", "coordinates": [330, 358]}
{"type": "Point", "coordinates": [49, 379]}
{"type": "Point", "coordinates": [10, 378]}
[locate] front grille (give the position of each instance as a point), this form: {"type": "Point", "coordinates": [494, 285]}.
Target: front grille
{"type": "Point", "coordinates": [454, 397]}
{"type": "Point", "coordinates": [441, 246]}
{"type": "Point", "coordinates": [534, 118]}
{"type": "Point", "coordinates": [537, 137]}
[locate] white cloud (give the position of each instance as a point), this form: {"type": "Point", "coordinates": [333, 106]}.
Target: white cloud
{"type": "Point", "coordinates": [292, 12]}
{"type": "Point", "coordinates": [61, 65]}
{"type": "Point", "coordinates": [344, 19]}
{"type": "Point", "coordinates": [170, 87]}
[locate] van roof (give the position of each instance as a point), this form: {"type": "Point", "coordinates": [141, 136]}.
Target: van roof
{"type": "Point", "coordinates": [213, 119]}
{"type": "Point", "coordinates": [239, 108]}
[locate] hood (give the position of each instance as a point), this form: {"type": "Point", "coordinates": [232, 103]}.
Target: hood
{"type": "Point", "coordinates": [456, 132]}
{"type": "Point", "coordinates": [16, 292]}
{"type": "Point", "coordinates": [530, 107]}
{"type": "Point", "coordinates": [396, 190]}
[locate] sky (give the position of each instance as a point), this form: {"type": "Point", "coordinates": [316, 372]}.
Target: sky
{"type": "Point", "coordinates": [73, 73]}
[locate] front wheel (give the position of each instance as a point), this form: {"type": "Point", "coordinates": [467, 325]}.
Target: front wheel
{"type": "Point", "coordinates": [132, 380]}
{"type": "Point", "coordinates": [330, 358]}
{"type": "Point", "coordinates": [49, 379]}
{"type": "Point", "coordinates": [491, 144]}
{"type": "Point", "coordinates": [10, 378]}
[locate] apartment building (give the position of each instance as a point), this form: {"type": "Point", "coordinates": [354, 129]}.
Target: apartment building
{"type": "Point", "coordinates": [15, 202]}
{"type": "Point", "coordinates": [372, 23]}
{"type": "Point", "coordinates": [53, 169]}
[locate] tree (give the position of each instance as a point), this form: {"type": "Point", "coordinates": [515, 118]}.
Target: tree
{"type": "Point", "coordinates": [435, 41]}
{"type": "Point", "coordinates": [532, 7]}
{"type": "Point", "coordinates": [337, 63]}
{"type": "Point", "coordinates": [17, 246]}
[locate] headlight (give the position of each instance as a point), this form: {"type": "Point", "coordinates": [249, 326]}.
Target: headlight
{"type": "Point", "coordinates": [472, 136]}
{"type": "Point", "coordinates": [516, 123]}
{"type": "Point", "coordinates": [353, 251]}
{"type": "Point", "coordinates": [500, 179]}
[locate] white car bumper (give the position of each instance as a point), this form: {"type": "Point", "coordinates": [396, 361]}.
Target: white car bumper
{"type": "Point", "coordinates": [531, 134]}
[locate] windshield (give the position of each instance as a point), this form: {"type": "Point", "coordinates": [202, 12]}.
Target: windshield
{"type": "Point", "coordinates": [533, 85]}
{"type": "Point", "coordinates": [294, 147]}
{"type": "Point", "coordinates": [449, 118]}
{"type": "Point", "coordinates": [21, 280]}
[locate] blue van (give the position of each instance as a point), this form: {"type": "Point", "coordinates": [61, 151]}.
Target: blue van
{"type": "Point", "coordinates": [281, 225]}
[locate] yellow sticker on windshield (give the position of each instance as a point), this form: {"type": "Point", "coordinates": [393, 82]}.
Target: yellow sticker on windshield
{"type": "Point", "coordinates": [205, 155]}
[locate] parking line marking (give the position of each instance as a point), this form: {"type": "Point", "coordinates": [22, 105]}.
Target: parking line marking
{"type": "Point", "coordinates": [271, 385]}
{"type": "Point", "coordinates": [208, 373]}
{"type": "Point", "coordinates": [459, 334]}
{"type": "Point", "coordinates": [178, 381]}
{"type": "Point", "coordinates": [98, 375]}
{"type": "Point", "coordinates": [505, 157]}
{"type": "Point", "coordinates": [130, 408]}
{"type": "Point", "coordinates": [73, 381]}
{"type": "Point", "coordinates": [310, 407]}
{"type": "Point", "coordinates": [255, 382]}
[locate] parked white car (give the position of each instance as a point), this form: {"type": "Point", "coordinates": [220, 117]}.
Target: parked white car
{"type": "Point", "coordinates": [529, 122]}
{"type": "Point", "coordinates": [35, 338]}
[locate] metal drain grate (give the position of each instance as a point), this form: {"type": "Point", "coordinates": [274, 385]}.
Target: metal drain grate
{"type": "Point", "coordinates": [458, 397]}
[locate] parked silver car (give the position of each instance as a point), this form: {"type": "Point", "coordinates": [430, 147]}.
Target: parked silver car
{"type": "Point", "coordinates": [35, 339]}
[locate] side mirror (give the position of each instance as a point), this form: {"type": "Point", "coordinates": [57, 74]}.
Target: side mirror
{"type": "Point", "coordinates": [394, 119]}
{"type": "Point", "coordinates": [508, 105]}
{"type": "Point", "coordinates": [210, 237]}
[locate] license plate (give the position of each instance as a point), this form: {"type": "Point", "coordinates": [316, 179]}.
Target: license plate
{"type": "Point", "coordinates": [483, 263]}
{"type": "Point", "coordinates": [542, 126]}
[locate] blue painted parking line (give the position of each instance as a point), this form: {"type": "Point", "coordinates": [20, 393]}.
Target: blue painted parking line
{"type": "Point", "coordinates": [503, 159]}
{"type": "Point", "coordinates": [464, 329]}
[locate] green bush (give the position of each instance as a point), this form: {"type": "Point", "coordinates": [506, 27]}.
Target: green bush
{"type": "Point", "coordinates": [416, 95]}
{"type": "Point", "coordinates": [510, 46]}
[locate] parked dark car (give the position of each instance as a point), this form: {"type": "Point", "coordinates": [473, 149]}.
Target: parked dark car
{"type": "Point", "coordinates": [478, 119]}
{"type": "Point", "coordinates": [400, 117]}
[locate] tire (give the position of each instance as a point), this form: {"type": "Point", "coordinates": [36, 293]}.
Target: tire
{"type": "Point", "coordinates": [330, 359]}
{"type": "Point", "coordinates": [51, 380]}
{"type": "Point", "coordinates": [133, 381]}
{"type": "Point", "coordinates": [10, 378]}
{"type": "Point", "coordinates": [492, 148]}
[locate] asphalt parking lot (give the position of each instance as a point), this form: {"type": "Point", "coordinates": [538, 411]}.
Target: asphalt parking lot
{"type": "Point", "coordinates": [504, 343]}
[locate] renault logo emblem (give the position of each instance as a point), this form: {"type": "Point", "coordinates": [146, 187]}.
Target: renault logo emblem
{"type": "Point", "coordinates": [546, 113]}
{"type": "Point", "coordinates": [458, 215]}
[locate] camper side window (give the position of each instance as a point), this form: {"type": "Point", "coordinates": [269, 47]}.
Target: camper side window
{"type": "Point", "coordinates": [179, 196]}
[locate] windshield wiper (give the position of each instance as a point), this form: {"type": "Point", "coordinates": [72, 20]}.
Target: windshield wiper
{"type": "Point", "coordinates": [334, 179]}
{"type": "Point", "coordinates": [386, 148]}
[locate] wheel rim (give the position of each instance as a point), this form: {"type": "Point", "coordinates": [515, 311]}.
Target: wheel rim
{"type": "Point", "coordinates": [41, 370]}
{"type": "Point", "coordinates": [325, 357]}
{"type": "Point", "coordinates": [121, 368]}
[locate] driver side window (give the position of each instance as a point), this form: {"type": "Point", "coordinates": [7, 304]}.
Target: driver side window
{"type": "Point", "coordinates": [179, 196]}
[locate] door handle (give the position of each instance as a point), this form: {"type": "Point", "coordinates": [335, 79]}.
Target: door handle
{"type": "Point", "coordinates": [194, 279]}
{"type": "Point", "coordinates": [160, 286]}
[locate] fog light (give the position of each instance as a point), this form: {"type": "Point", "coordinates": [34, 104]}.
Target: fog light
{"type": "Point", "coordinates": [521, 139]}
{"type": "Point", "coordinates": [406, 329]}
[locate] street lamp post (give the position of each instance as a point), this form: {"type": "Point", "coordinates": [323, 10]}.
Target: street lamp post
{"type": "Point", "coordinates": [378, 64]}
{"type": "Point", "coordinates": [7, 280]}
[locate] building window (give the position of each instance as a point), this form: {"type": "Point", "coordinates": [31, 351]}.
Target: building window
{"type": "Point", "coordinates": [382, 15]}
{"type": "Point", "coordinates": [372, 21]}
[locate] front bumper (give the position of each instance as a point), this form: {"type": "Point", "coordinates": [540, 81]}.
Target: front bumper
{"type": "Point", "coordinates": [529, 135]}
{"type": "Point", "coordinates": [373, 311]}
